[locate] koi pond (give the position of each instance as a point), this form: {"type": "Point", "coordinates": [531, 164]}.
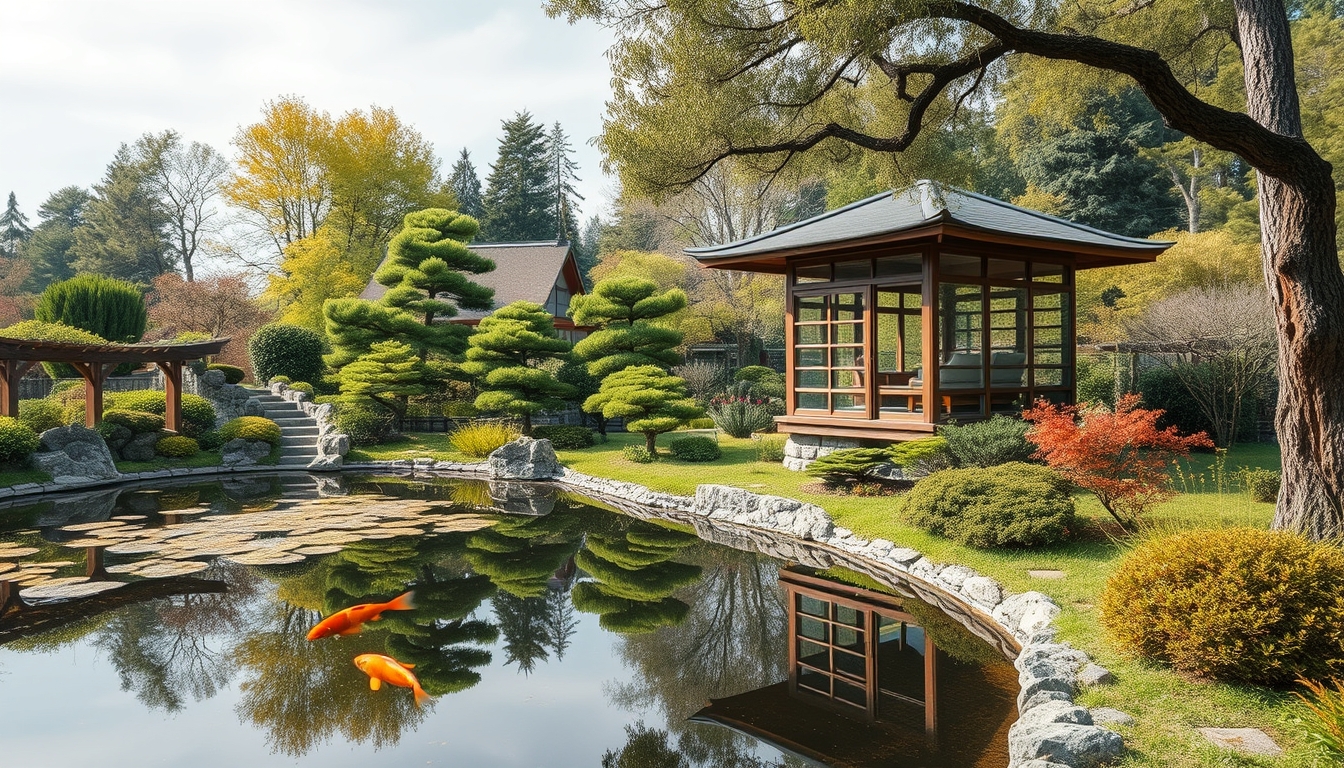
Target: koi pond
{"type": "Point", "coordinates": [169, 626]}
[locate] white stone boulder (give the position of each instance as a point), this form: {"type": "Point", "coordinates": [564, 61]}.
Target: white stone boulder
{"type": "Point", "coordinates": [525, 459]}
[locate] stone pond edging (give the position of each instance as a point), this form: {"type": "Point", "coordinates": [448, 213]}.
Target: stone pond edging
{"type": "Point", "coordinates": [1051, 731]}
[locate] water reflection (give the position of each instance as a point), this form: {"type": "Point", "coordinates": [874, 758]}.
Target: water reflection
{"type": "Point", "coordinates": [669, 622]}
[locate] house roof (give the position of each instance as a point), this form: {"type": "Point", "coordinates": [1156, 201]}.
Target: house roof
{"type": "Point", "coordinates": [927, 205]}
{"type": "Point", "coordinates": [523, 272]}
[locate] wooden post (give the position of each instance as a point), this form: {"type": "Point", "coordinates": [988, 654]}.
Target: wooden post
{"type": "Point", "coordinates": [11, 371]}
{"type": "Point", "coordinates": [94, 375]}
{"type": "Point", "coordinates": [930, 689]}
{"type": "Point", "coordinates": [172, 395]}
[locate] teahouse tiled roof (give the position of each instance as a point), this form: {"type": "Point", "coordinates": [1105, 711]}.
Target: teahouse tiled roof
{"type": "Point", "coordinates": [920, 205]}
{"type": "Point", "coordinates": [523, 272]}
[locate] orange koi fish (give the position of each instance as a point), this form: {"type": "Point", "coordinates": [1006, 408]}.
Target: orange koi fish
{"type": "Point", "coordinates": [385, 669]}
{"type": "Point", "coordinates": [351, 620]}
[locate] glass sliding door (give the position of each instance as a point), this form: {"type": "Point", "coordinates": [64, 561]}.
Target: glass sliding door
{"type": "Point", "coordinates": [829, 366]}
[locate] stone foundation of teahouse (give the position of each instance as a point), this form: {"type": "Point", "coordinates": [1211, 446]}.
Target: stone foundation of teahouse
{"type": "Point", "coordinates": [802, 450]}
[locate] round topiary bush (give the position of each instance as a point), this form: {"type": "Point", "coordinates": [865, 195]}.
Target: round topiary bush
{"type": "Point", "coordinates": [1237, 604]}
{"type": "Point", "coordinates": [286, 350]}
{"type": "Point", "coordinates": [1014, 504]}
{"type": "Point", "coordinates": [565, 436]}
{"type": "Point", "coordinates": [177, 447]}
{"type": "Point", "coordinates": [694, 448]}
{"type": "Point", "coordinates": [1262, 484]}
{"type": "Point", "coordinates": [114, 309]}
{"type": "Point", "coordinates": [997, 440]}
{"type": "Point", "coordinates": [638, 454]}
{"type": "Point", "coordinates": [250, 428]}
{"type": "Point", "coordinates": [365, 426]}
{"type": "Point", "coordinates": [17, 440]}
{"type": "Point", "coordinates": [279, 380]}
{"type": "Point", "coordinates": [198, 414]}
{"type": "Point", "coordinates": [302, 386]}
{"type": "Point", "coordinates": [41, 415]}
{"type": "Point", "coordinates": [138, 422]}
{"type": "Point", "coordinates": [232, 373]}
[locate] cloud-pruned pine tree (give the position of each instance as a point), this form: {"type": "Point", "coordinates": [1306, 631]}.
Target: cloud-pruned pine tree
{"type": "Point", "coordinates": [519, 203]}
{"type": "Point", "coordinates": [624, 309]}
{"type": "Point", "coordinates": [651, 401]}
{"type": "Point", "coordinates": [426, 273]}
{"type": "Point", "coordinates": [386, 376]}
{"type": "Point", "coordinates": [505, 356]}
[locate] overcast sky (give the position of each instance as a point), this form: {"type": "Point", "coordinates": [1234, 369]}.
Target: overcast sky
{"type": "Point", "coordinates": [77, 78]}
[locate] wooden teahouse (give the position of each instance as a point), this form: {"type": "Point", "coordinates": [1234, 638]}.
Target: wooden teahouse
{"type": "Point", "coordinates": [923, 305]}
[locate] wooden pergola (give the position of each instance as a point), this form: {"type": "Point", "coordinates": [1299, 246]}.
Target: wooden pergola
{"type": "Point", "coordinates": [95, 362]}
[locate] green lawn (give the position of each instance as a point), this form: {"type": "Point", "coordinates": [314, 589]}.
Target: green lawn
{"type": "Point", "coordinates": [410, 446]}
{"type": "Point", "coordinates": [201, 459]}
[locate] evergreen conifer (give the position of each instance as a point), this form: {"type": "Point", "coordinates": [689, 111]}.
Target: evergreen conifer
{"type": "Point", "coordinates": [564, 172]}
{"type": "Point", "coordinates": [386, 376]}
{"type": "Point", "coordinates": [466, 186]}
{"type": "Point", "coordinates": [651, 401]}
{"type": "Point", "coordinates": [519, 198]}
{"type": "Point", "coordinates": [14, 229]}
{"type": "Point", "coordinates": [623, 310]}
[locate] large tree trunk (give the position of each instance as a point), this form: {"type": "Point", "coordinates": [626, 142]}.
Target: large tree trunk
{"type": "Point", "coordinates": [1303, 276]}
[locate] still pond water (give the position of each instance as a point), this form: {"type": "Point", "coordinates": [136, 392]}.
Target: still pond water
{"type": "Point", "coordinates": [168, 627]}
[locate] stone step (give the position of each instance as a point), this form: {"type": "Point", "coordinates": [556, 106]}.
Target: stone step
{"type": "Point", "coordinates": [293, 461]}
{"type": "Point", "coordinates": [296, 421]}
{"type": "Point", "coordinates": [288, 441]}
{"type": "Point", "coordinates": [299, 432]}
{"type": "Point", "coordinates": [283, 405]}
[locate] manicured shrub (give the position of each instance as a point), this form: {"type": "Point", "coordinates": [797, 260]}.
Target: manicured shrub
{"type": "Point", "coordinates": [186, 337]}
{"type": "Point", "coordinates": [279, 380]}
{"type": "Point", "coordinates": [565, 436]}
{"type": "Point", "coordinates": [1262, 484]}
{"type": "Point", "coordinates": [997, 440]}
{"type": "Point", "coordinates": [232, 373]}
{"type": "Point", "coordinates": [113, 309]}
{"type": "Point", "coordinates": [1013, 504]}
{"type": "Point", "coordinates": [705, 423]}
{"type": "Point", "coordinates": [198, 414]}
{"type": "Point", "coordinates": [17, 440]}
{"type": "Point", "coordinates": [177, 447]}
{"type": "Point", "coordinates": [41, 415]}
{"type": "Point", "coordinates": [365, 426]}
{"type": "Point", "coordinates": [302, 386]}
{"type": "Point", "coordinates": [251, 428]}
{"type": "Point", "coordinates": [921, 457]}
{"type": "Point", "coordinates": [765, 382]}
{"type": "Point", "coordinates": [740, 416]}
{"type": "Point", "coordinates": [770, 448]}
{"type": "Point", "coordinates": [694, 448]}
{"type": "Point", "coordinates": [138, 422]}
{"type": "Point", "coordinates": [36, 330]}
{"type": "Point", "coordinates": [482, 438]}
{"type": "Point", "coordinates": [277, 349]}
{"type": "Point", "coordinates": [210, 440]}
{"type": "Point", "coordinates": [848, 465]}
{"type": "Point", "coordinates": [638, 454]}
{"type": "Point", "coordinates": [1238, 604]}
{"type": "Point", "coordinates": [461, 409]}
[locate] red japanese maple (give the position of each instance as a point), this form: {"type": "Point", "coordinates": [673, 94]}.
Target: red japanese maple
{"type": "Point", "coordinates": [1121, 455]}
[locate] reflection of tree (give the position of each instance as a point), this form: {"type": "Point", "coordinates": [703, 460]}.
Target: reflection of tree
{"type": "Point", "coordinates": [522, 620]}
{"type": "Point", "coordinates": [560, 621]}
{"type": "Point", "coordinates": [732, 640]}
{"type": "Point", "coordinates": [520, 554]}
{"type": "Point", "coordinates": [166, 650]}
{"type": "Point", "coordinates": [438, 637]}
{"type": "Point", "coordinates": [635, 577]}
{"type": "Point", "coordinates": [302, 693]}
{"type": "Point", "coordinates": [649, 748]}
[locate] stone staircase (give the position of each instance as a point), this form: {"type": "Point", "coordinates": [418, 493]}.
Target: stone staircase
{"type": "Point", "coordinates": [298, 431]}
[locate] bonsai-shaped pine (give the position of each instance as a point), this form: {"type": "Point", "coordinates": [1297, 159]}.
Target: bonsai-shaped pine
{"type": "Point", "coordinates": [849, 465]}
{"type": "Point", "coordinates": [424, 273]}
{"type": "Point", "coordinates": [1120, 456]}
{"type": "Point", "coordinates": [634, 577]}
{"type": "Point", "coordinates": [651, 401]}
{"type": "Point", "coordinates": [623, 310]}
{"type": "Point", "coordinates": [504, 356]}
{"type": "Point", "coordinates": [386, 376]}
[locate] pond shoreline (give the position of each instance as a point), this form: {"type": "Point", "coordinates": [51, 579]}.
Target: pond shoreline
{"type": "Point", "coordinates": [1051, 729]}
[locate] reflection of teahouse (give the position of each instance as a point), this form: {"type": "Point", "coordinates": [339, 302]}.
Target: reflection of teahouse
{"type": "Point", "coordinates": [925, 304]}
{"type": "Point", "coordinates": [868, 687]}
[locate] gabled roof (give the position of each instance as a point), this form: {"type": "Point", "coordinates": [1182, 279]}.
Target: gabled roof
{"type": "Point", "coordinates": [927, 205]}
{"type": "Point", "coordinates": [523, 272]}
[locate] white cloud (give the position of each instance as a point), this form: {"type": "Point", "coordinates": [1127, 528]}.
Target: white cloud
{"type": "Point", "coordinates": [78, 78]}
